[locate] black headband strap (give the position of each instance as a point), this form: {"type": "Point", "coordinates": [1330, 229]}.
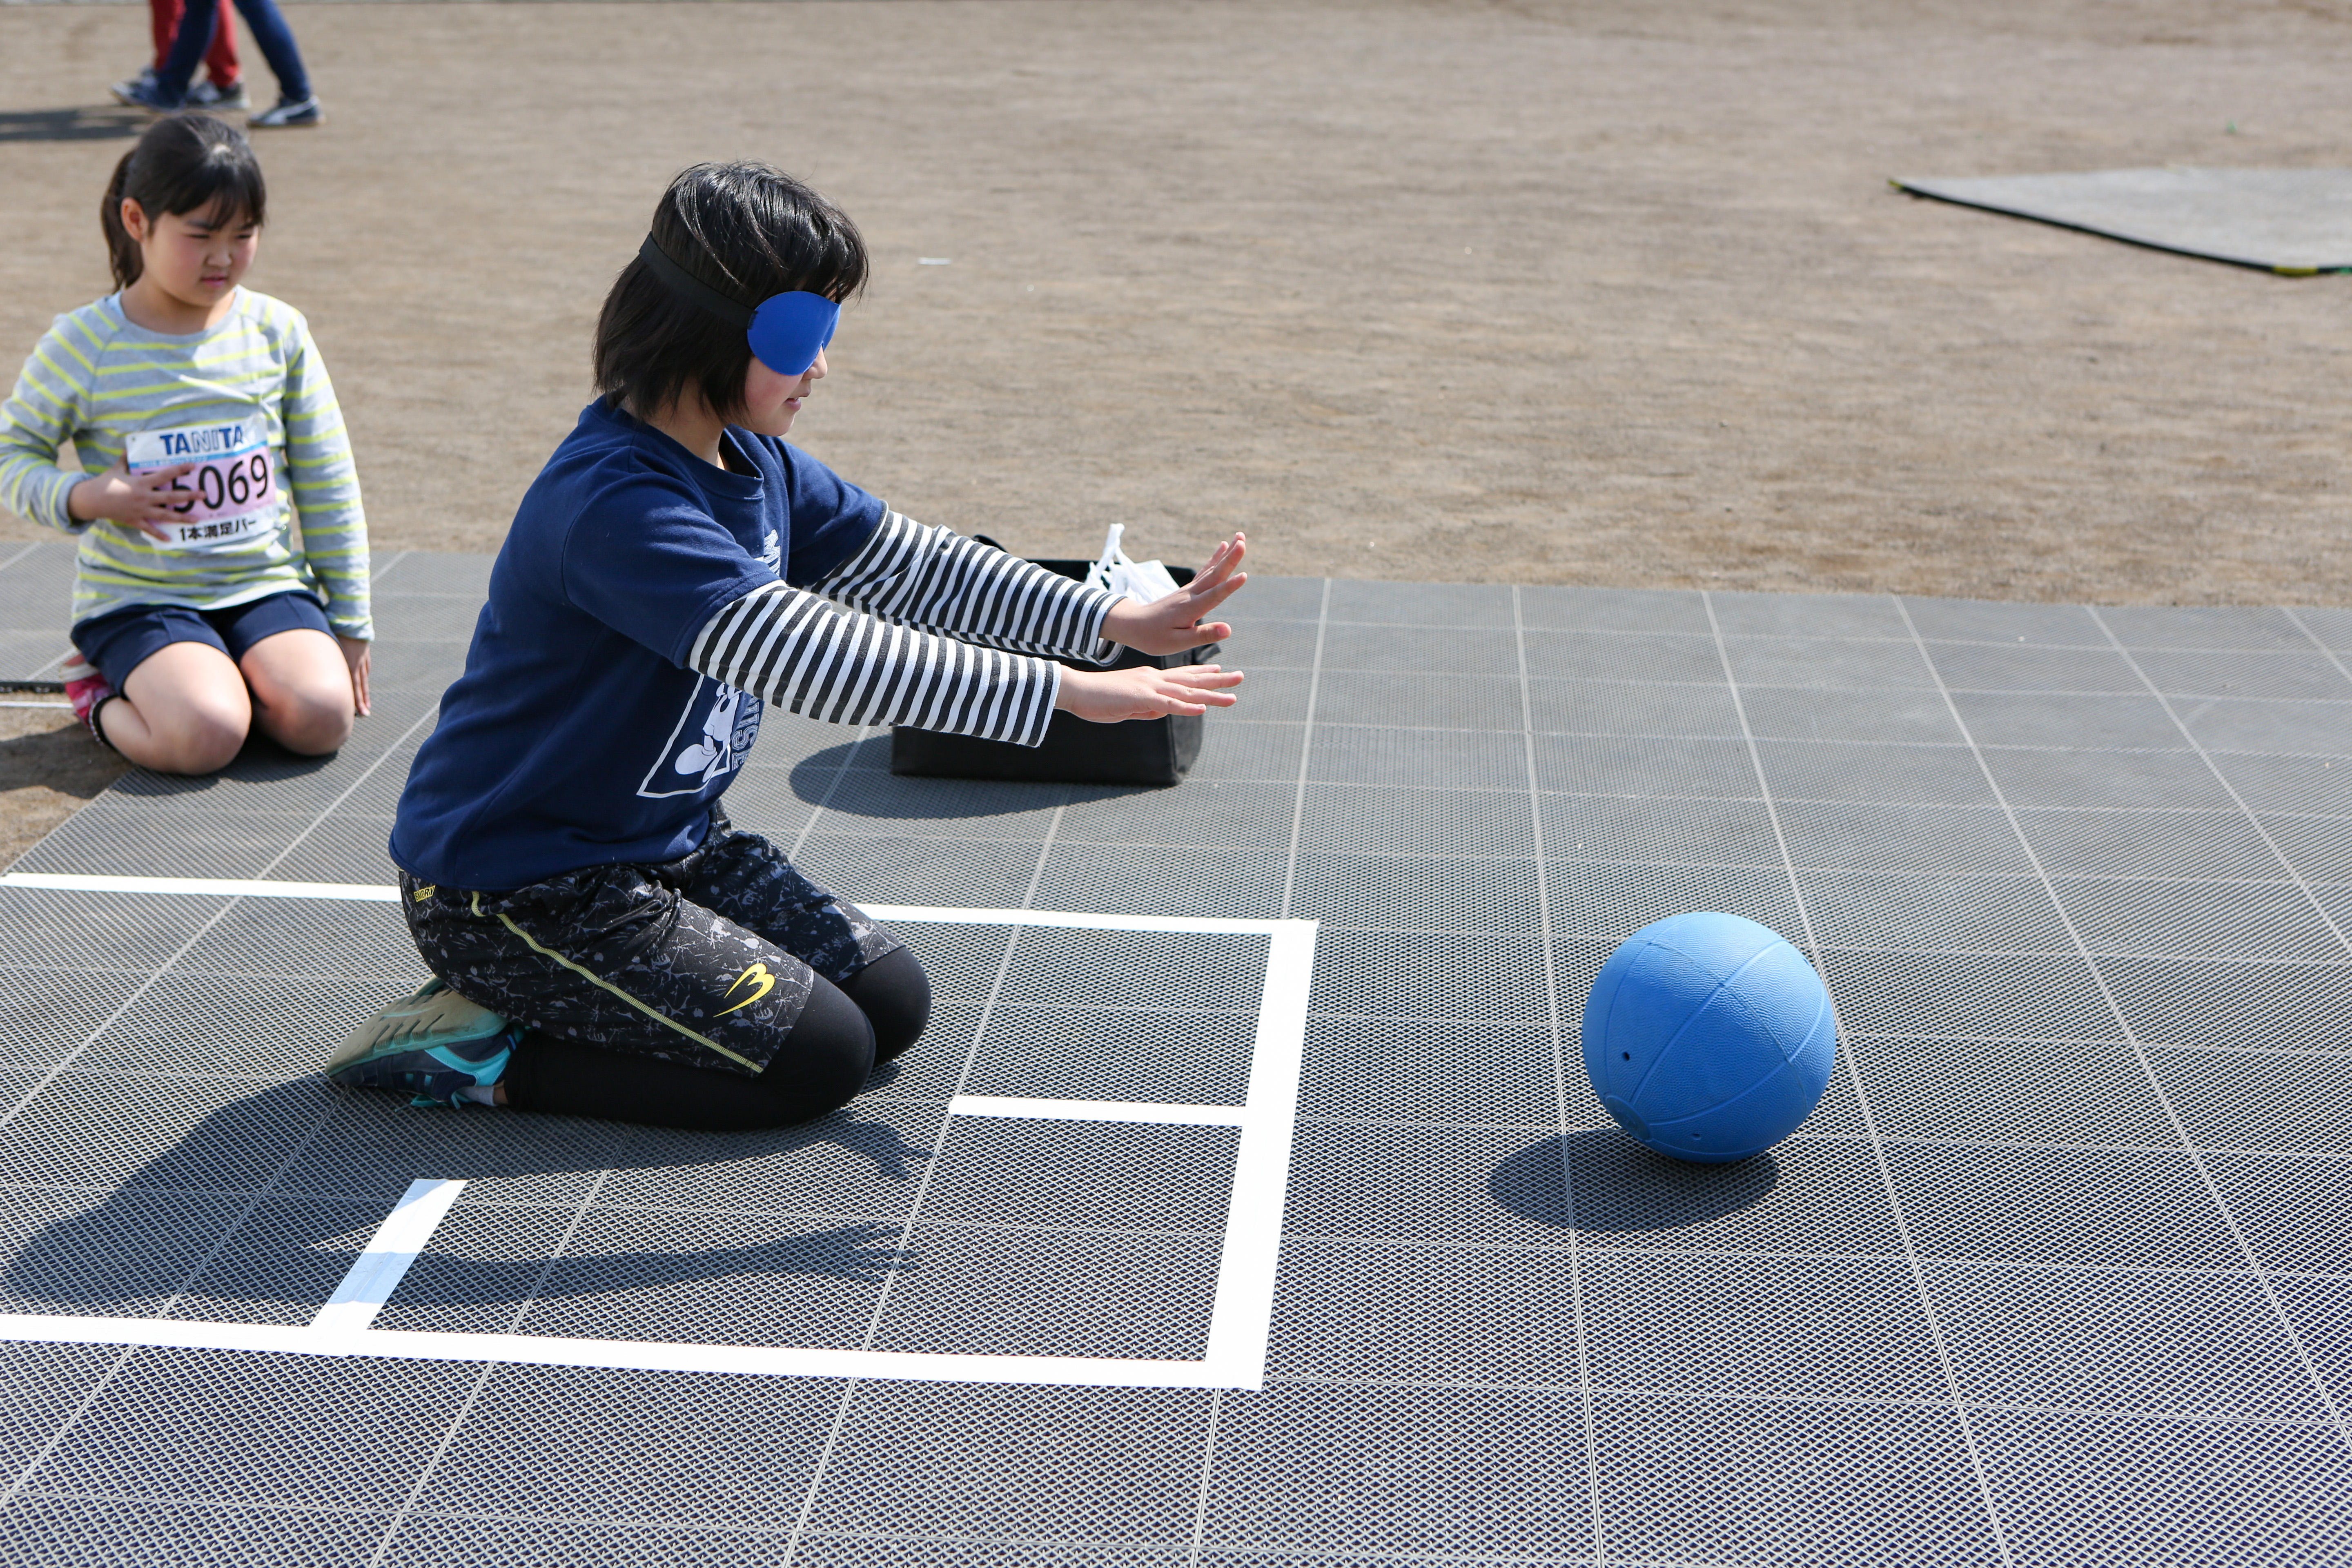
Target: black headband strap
{"type": "Point", "coordinates": [689, 288]}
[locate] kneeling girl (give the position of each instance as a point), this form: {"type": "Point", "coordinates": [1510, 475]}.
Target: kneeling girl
{"type": "Point", "coordinates": [604, 942]}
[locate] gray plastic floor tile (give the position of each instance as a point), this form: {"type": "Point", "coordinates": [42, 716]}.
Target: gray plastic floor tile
{"type": "Point", "coordinates": [1333, 1470]}
{"type": "Point", "coordinates": [69, 1531]}
{"type": "Point", "coordinates": [1759, 1327]}
{"type": "Point", "coordinates": [2091, 1208]}
{"type": "Point", "coordinates": [1615, 609]}
{"type": "Point", "coordinates": [2011, 1091]}
{"type": "Point", "coordinates": [2090, 1489]}
{"type": "Point", "coordinates": [1360, 1311]}
{"type": "Point", "coordinates": [1836, 663]}
{"type": "Point", "coordinates": [740, 1458]}
{"type": "Point", "coordinates": [1921, 717]}
{"type": "Point", "coordinates": [2169, 1343]}
{"type": "Point", "coordinates": [2231, 724]}
{"type": "Point", "coordinates": [222, 1427]}
{"type": "Point", "coordinates": [2069, 1217]}
{"type": "Point", "coordinates": [1714, 1481]}
{"type": "Point", "coordinates": [937, 1459]}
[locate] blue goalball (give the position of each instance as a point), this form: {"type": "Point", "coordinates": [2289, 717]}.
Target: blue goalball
{"type": "Point", "coordinates": [1708, 1037]}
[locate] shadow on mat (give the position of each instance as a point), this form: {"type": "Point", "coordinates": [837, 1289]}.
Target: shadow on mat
{"type": "Point", "coordinates": [261, 761]}
{"type": "Point", "coordinates": [72, 125]}
{"type": "Point", "coordinates": [60, 758]}
{"type": "Point", "coordinates": [1622, 1188]}
{"type": "Point", "coordinates": [817, 778]}
{"type": "Point", "coordinates": [188, 1222]}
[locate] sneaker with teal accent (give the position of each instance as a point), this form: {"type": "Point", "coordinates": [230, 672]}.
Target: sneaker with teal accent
{"type": "Point", "coordinates": [435, 1045]}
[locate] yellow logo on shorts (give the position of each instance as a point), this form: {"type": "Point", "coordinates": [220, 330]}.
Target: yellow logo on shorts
{"type": "Point", "coordinates": [427, 891]}
{"type": "Point", "coordinates": [759, 972]}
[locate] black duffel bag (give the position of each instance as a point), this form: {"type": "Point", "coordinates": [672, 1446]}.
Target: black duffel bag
{"type": "Point", "coordinates": [1138, 752]}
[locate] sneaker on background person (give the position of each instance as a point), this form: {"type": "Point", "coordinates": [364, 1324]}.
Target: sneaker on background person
{"type": "Point", "coordinates": [287, 112]}
{"type": "Point", "coordinates": [144, 91]}
{"type": "Point", "coordinates": [140, 92]}
{"type": "Point", "coordinates": [123, 90]}
{"type": "Point", "coordinates": [213, 95]}
{"type": "Point", "coordinates": [87, 691]}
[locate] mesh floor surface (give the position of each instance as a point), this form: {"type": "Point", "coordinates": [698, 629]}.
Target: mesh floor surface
{"type": "Point", "coordinates": [2058, 1273]}
{"type": "Point", "coordinates": [2285, 220]}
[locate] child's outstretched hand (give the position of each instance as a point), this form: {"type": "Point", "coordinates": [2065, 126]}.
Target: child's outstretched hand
{"type": "Point", "coordinates": [1113, 696]}
{"type": "Point", "coordinates": [1178, 622]}
{"type": "Point", "coordinates": [144, 501]}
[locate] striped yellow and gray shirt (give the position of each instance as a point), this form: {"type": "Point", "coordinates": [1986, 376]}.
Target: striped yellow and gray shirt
{"type": "Point", "coordinates": [253, 384]}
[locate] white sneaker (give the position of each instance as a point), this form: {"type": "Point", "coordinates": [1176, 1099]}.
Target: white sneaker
{"type": "Point", "coordinates": [287, 111]}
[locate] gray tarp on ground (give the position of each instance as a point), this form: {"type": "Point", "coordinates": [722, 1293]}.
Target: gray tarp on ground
{"type": "Point", "coordinates": [2293, 220]}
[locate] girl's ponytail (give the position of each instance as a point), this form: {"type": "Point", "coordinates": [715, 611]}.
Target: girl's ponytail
{"type": "Point", "coordinates": [121, 250]}
{"type": "Point", "coordinates": [184, 164]}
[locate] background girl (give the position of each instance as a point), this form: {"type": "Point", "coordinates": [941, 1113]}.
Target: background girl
{"type": "Point", "coordinates": [206, 407]}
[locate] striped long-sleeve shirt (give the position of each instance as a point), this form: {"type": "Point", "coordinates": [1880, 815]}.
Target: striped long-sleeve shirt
{"type": "Point", "coordinates": [249, 401]}
{"type": "Point", "coordinates": [646, 607]}
{"type": "Point", "coordinates": [855, 648]}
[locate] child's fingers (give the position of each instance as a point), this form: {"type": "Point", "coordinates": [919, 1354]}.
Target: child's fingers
{"type": "Point", "coordinates": [1207, 599]}
{"type": "Point", "coordinates": [1228, 555]}
{"type": "Point", "coordinates": [1195, 685]}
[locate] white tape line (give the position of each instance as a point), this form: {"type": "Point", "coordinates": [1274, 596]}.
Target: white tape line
{"type": "Point", "coordinates": [379, 893]}
{"type": "Point", "coordinates": [1098, 1111]}
{"type": "Point", "coordinates": [1064, 919]}
{"type": "Point", "coordinates": [1239, 1322]}
{"type": "Point", "coordinates": [214, 887]}
{"type": "Point", "coordinates": [531, 1349]}
{"type": "Point", "coordinates": [390, 1251]}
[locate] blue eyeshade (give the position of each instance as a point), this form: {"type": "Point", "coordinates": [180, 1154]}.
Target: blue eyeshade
{"type": "Point", "coordinates": [789, 331]}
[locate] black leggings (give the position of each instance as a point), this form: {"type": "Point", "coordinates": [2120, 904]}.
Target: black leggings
{"type": "Point", "coordinates": [843, 1033]}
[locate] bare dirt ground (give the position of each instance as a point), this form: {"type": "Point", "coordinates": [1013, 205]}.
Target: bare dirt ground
{"type": "Point", "coordinates": [48, 769]}
{"type": "Point", "coordinates": [1605, 292]}
{"type": "Point", "coordinates": [1610, 292]}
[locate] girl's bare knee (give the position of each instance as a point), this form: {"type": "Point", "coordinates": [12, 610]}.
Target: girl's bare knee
{"type": "Point", "coordinates": [197, 740]}
{"type": "Point", "coordinates": [308, 726]}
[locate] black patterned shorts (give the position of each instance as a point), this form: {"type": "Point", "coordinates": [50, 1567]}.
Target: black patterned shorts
{"type": "Point", "coordinates": [705, 961]}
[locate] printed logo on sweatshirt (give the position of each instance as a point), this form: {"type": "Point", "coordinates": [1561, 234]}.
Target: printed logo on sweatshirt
{"type": "Point", "coordinates": [713, 735]}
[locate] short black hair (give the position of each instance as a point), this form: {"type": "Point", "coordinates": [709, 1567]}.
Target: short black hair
{"type": "Point", "coordinates": [745, 229]}
{"type": "Point", "coordinates": [184, 163]}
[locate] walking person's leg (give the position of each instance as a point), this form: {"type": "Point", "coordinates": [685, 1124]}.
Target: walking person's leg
{"type": "Point", "coordinates": [190, 41]}
{"type": "Point", "coordinates": [222, 71]}
{"type": "Point", "coordinates": [297, 104]}
{"type": "Point", "coordinates": [223, 90]}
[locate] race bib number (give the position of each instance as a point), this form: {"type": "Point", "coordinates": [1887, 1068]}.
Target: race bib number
{"type": "Point", "coordinates": [232, 492]}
